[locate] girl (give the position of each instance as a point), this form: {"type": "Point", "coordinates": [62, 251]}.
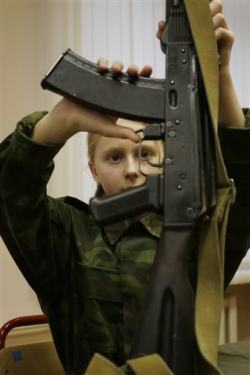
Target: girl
{"type": "Point", "coordinates": [90, 282]}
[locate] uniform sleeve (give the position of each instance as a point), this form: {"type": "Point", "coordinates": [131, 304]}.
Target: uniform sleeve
{"type": "Point", "coordinates": [235, 144]}
{"type": "Point", "coordinates": [28, 217]}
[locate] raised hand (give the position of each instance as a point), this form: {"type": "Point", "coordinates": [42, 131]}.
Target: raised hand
{"type": "Point", "coordinates": [68, 117]}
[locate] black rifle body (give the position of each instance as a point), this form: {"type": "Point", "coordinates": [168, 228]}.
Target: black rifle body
{"type": "Point", "coordinates": [177, 111]}
{"type": "Point", "coordinates": [166, 325]}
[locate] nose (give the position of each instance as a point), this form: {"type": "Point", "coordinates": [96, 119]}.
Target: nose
{"type": "Point", "coordinates": [132, 168]}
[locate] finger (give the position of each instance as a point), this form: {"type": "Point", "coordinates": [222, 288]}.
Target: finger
{"type": "Point", "coordinates": [117, 131]}
{"type": "Point", "coordinates": [116, 67]}
{"type": "Point", "coordinates": [146, 71]}
{"type": "Point", "coordinates": [161, 28]}
{"type": "Point", "coordinates": [224, 37]}
{"type": "Point", "coordinates": [105, 125]}
{"type": "Point", "coordinates": [133, 70]}
{"type": "Point", "coordinates": [123, 132]}
{"type": "Point", "coordinates": [216, 7]}
{"type": "Point", "coordinates": [103, 64]}
{"type": "Point", "coordinates": [112, 118]}
{"type": "Point", "coordinates": [220, 21]}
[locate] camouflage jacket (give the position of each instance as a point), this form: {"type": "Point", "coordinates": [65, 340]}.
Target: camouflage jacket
{"type": "Point", "coordinates": [90, 282]}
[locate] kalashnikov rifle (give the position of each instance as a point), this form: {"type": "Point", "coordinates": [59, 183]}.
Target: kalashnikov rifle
{"type": "Point", "coordinates": [176, 111]}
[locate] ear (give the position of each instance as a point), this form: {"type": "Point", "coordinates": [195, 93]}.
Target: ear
{"type": "Point", "coordinates": [94, 171]}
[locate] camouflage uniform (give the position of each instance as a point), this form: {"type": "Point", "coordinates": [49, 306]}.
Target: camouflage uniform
{"type": "Point", "coordinates": [90, 281]}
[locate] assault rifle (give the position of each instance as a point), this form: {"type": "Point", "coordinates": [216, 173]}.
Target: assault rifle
{"type": "Point", "coordinates": [176, 111]}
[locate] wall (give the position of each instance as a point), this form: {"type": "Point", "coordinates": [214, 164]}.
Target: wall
{"type": "Point", "coordinates": [32, 35]}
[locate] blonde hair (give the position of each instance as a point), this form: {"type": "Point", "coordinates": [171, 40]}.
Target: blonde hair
{"type": "Point", "coordinates": [92, 139]}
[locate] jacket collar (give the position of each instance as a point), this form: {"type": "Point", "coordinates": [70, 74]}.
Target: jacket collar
{"type": "Point", "coordinates": [151, 221]}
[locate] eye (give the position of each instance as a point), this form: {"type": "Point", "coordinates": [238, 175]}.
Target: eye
{"type": "Point", "coordinates": [114, 157]}
{"type": "Point", "coordinates": [147, 154]}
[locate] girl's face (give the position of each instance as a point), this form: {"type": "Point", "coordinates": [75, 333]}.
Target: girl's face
{"type": "Point", "coordinates": [116, 165]}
